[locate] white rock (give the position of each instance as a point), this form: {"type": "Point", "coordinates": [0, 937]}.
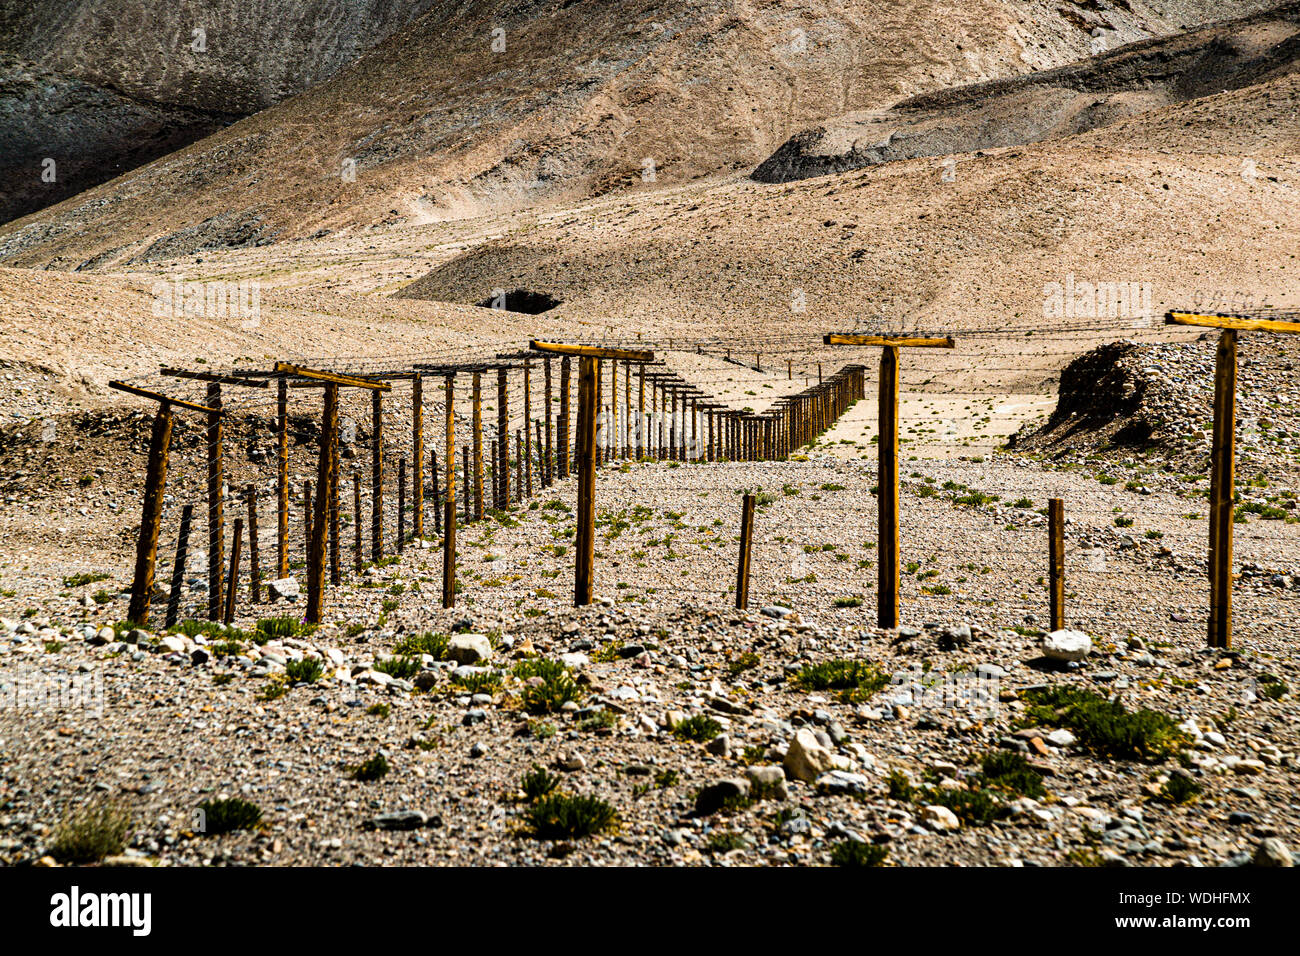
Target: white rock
{"type": "Point", "coordinates": [940, 818]}
{"type": "Point", "coordinates": [469, 648]}
{"type": "Point", "coordinates": [1067, 645]}
{"type": "Point", "coordinates": [806, 759]}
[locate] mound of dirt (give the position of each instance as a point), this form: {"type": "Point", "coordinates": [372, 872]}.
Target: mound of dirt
{"type": "Point", "coordinates": [1106, 89]}
{"type": "Point", "coordinates": [1156, 401]}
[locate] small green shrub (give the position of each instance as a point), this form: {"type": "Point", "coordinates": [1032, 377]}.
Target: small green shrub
{"type": "Point", "coordinates": [537, 783]}
{"type": "Point", "coordinates": [403, 668]}
{"type": "Point", "coordinates": [1011, 772]}
{"type": "Point", "coordinates": [854, 680]}
{"type": "Point", "coordinates": [558, 816]}
{"type": "Point", "coordinates": [306, 671]}
{"type": "Point", "coordinates": [373, 769]}
{"type": "Point", "coordinates": [557, 686]}
{"type": "Point", "coordinates": [1179, 788]}
{"type": "Point", "coordinates": [413, 645]}
{"type": "Point", "coordinates": [91, 833]}
{"type": "Point", "coordinates": [1106, 727]}
{"type": "Point", "coordinates": [975, 808]}
{"type": "Point", "coordinates": [701, 728]}
{"type": "Point", "coordinates": [855, 853]}
{"type": "Point", "coordinates": [82, 579]}
{"type": "Point", "coordinates": [227, 816]}
{"type": "Point", "coordinates": [479, 682]}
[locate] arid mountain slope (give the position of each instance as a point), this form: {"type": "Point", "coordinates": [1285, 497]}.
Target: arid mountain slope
{"type": "Point", "coordinates": [473, 110]}
{"type": "Point", "coordinates": [103, 86]}
{"type": "Point", "coordinates": [1050, 104]}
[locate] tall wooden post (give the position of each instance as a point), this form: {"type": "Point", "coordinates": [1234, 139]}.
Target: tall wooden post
{"type": "Point", "coordinates": [527, 485]}
{"type": "Point", "coordinates": [465, 473]}
{"type": "Point", "coordinates": [254, 561]}
{"type": "Point", "coordinates": [436, 490]}
{"type": "Point", "coordinates": [640, 412]}
{"type": "Point", "coordinates": [596, 418]}
{"type": "Point", "coordinates": [216, 521]}
{"type": "Point", "coordinates": [614, 450]}
{"type": "Point", "coordinates": [588, 404]}
{"type": "Point", "coordinates": [376, 476]}
{"type": "Point", "coordinates": [232, 585]}
{"type": "Point", "coordinates": [548, 468]}
{"type": "Point", "coordinates": [1056, 561]}
{"type": "Point", "coordinates": [146, 549]}
{"type": "Point", "coordinates": [1222, 490]}
{"type": "Point", "coordinates": [336, 571]}
{"type": "Point", "coordinates": [746, 542]}
{"type": "Point", "coordinates": [520, 457]}
{"type": "Point", "coordinates": [320, 519]}
{"type": "Point", "coordinates": [503, 432]}
{"type": "Point", "coordinates": [563, 431]}
{"type": "Point", "coordinates": [282, 478]}
{"type": "Point", "coordinates": [307, 513]}
{"type": "Point", "coordinates": [449, 511]}
{"type": "Point", "coordinates": [417, 455]}
{"type": "Point", "coordinates": [178, 567]}
{"type": "Point", "coordinates": [887, 491]}
{"type": "Point", "coordinates": [477, 400]}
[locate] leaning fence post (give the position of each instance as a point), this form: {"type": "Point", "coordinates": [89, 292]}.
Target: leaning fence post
{"type": "Point", "coordinates": [178, 569]}
{"type": "Point", "coordinates": [232, 586]}
{"type": "Point", "coordinates": [146, 552]}
{"type": "Point", "coordinates": [746, 542]}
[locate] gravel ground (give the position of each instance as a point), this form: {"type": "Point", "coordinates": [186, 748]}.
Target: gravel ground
{"type": "Point", "coordinates": [182, 721]}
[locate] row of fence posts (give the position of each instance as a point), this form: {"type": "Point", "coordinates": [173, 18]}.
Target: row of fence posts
{"type": "Point", "coordinates": [676, 423]}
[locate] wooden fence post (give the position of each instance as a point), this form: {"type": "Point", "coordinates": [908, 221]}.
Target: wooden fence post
{"type": "Point", "coordinates": [746, 542]}
{"type": "Point", "coordinates": [178, 568]}
{"type": "Point", "coordinates": [887, 490]}
{"type": "Point", "coordinates": [376, 476]}
{"type": "Point", "coordinates": [317, 553]}
{"type": "Point", "coordinates": [519, 466]}
{"type": "Point", "coordinates": [417, 455]}
{"type": "Point", "coordinates": [503, 434]}
{"type": "Point", "coordinates": [401, 505]}
{"type": "Point", "coordinates": [436, 490]}
{"type": "Point", "coordinates": [640, 412]}
{"type": "Point", "coordinates": [588, 403]}
{"type": "Point", "coordinates": [563, 431]}
{"type": "Point", "coordinates": [449, 513]}
{"type": "Point", "coordinates": [548, 467]}
{"type": "Point", "coordinates": [336, 573]}
{"type": "Point", "coordinates": [216, 522]}
{"type": "Point", "coordinates": [528, 417]}
{"type": "Point", "coordinates": [477, 400]}
{"type": "Point", "coordinates": [1056, 561]}
{"type": "Point", "coordinates": [282, 479]}
{"type": "Point", "coordinates": [356, 521]}
{"type": "Point", "coordinates": [232, 586]}
{"type": "Point", "coordinates": [1222, 491]}
{"type": "Point", "coordinates": [307, 513]}
{"type": "Point", "coordinates": [146, 549]}
{"type": "Point", "coordinates": [254, 564]}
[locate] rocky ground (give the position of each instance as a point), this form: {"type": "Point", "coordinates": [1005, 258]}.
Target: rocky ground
{"type": "Point", "coordinates": [700, 725]}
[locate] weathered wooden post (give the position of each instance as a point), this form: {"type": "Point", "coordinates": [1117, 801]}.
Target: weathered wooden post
{"type": "Point", "coordinates": [563, 430]}
{"type": "Point", "coordinates": [520, 457]}
{"type": "Point", "coordinates": [146, 549]}
{"type": "Point", "coordinates": [232, 586]}
{"type": "Point", "coordinates": [336, 571]}
{"type": "Point", "coordinates": [527, 486]}
{"type": "Point", "coordinates": [254, 565]}
{"type": "Point", "coordinates": [503, 434]}
{"type": "Point", "coordinates": [640, 412]}
{"type": "Point", "coordinates": [282, 478]}
{"type": "Point", "coordinates": [1223, 456]}
{"type": "Point", "coordinates": [1056, 561]}
{"type": "Point", "coordinates": [548, 468]}
{"type": "Point", "coordinates": [376, 476]}
{"type": "Point", "coordinates": [216, 521]}
{"type": "Point", "coordinates": [746, 542]}
{"type": "Point", "coordinates": [588, 409]}
{"type": "Point", "coordinates": [178, 568]}
{"type": "Point", "coordinates": [417, 455]}
{"type": "Point", "coordinates": [477, 400]}
{"type": "Point", "coordinates": [449, 511]}
{"type": "Point", "coordinates": [356, 521]}
{"type": "Point", "coordinates": [401, 505]}
{"type": "Point", "coordinates": [307, 513]}
{"type": "Point", "coordinates": [316, 554]}
{"type": "Point", "coordinates": [887, 545]}
{"type": "Point", "coordinates": [436, 491]}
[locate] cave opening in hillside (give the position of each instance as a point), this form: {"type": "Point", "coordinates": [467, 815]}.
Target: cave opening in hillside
{"type": "Point", "coordinates": [519, 300]}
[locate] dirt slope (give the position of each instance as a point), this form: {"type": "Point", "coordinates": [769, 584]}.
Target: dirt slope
{"type": "Point", "coordinates": [1050, 104]}
{"type": "Point", "coordinates": [581, 99]}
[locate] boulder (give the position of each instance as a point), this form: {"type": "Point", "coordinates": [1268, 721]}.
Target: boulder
{"type": "Point", "coordinates": [806, 759]}
{"type": "Point", "coordinates": [1066, 645]}
{"type": "Point", "coordinates": [469, 648]}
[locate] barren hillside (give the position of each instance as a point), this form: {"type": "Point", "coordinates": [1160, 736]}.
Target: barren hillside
{"type": "Point", "coordinates": [470, 110]}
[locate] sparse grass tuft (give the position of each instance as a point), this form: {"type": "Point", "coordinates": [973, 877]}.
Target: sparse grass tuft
{"type": "Point", "coordinates": [855, 680]}
{"type": "Point", "coordinates": [537, 783]}
{"type": "Point", "coordinates": [373, 769]}
{"type": "Point", "coordinates": [555, 689]}
{"type": "Point", "coordinates": [91, 833]}
{"type": "Point", "coordinates": [701, 728]}
{"type": "Point", "coordinates": [227, 816]}
{"type": "Point", "coordinates": [1106, 727]}
{"type": "Point", "coordinates": [403, 668]}
{"type": "Point", "coordinates": [306, 671]}
{"type": "Point", "coordinates": [855, 853]}
{"type": "Point", "coordinates": [559, 816]}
